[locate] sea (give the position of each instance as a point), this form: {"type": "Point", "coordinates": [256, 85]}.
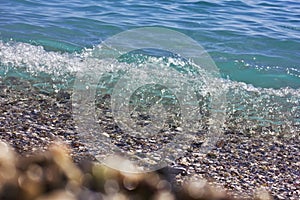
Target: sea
{"type": "Point", "coordinates": [255, 44]}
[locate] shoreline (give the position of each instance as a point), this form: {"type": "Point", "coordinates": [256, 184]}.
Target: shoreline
{"type": "Point", "coordinates": [240, 163]}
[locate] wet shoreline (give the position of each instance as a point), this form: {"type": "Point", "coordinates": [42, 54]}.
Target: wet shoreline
{"type": "Point", "coordinates": [240, 162]}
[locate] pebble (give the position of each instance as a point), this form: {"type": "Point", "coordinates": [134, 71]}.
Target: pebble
{"type": "Point", "coordinates": [179, 129]}
{"type": "Point", "coordinates": [53, 176]}
{"type": "Point", "coordinates": [30, 121]}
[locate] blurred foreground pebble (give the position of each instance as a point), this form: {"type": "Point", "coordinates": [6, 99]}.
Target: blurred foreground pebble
{"type": "Point", "coordinates": [52, 175]}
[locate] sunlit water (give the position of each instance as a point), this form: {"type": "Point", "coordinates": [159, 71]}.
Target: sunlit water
{"type": "Point", "coordinates": [255, 44]}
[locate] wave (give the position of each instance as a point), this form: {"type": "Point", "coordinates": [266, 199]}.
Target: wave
{"type": "Point", "coordinates": [248, 108]}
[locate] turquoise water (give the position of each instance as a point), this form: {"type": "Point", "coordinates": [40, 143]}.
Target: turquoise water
{"type": "Point", "coordinates": [255, 44]}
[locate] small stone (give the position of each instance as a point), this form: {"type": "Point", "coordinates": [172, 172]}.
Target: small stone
{"type": "Point", "coordinates": [211, 155]}
{"type": "Point", "coordinates": [179, 129]}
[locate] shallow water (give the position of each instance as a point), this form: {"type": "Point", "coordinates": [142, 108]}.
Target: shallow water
{"type": "Point", "coordinates": [255, 44]}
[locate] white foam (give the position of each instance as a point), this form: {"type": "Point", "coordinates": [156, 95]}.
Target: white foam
{"type": "Point", "coordinates": [248, 106]}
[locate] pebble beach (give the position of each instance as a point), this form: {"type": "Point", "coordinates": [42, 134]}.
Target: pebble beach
{"type": "Point", "coordinates": [241, 166]}
{"type": "Point", "coordinates": [150, 100]}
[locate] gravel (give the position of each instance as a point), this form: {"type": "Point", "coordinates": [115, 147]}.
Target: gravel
{"type": "Point", "coordinates": [246, 166]}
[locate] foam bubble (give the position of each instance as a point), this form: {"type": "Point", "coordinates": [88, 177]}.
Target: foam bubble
{"type": "Point", "coordinates": [249, 108]}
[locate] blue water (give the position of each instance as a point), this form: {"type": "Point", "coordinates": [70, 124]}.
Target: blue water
{"type": "Point", "coordinates": [255, 43]}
